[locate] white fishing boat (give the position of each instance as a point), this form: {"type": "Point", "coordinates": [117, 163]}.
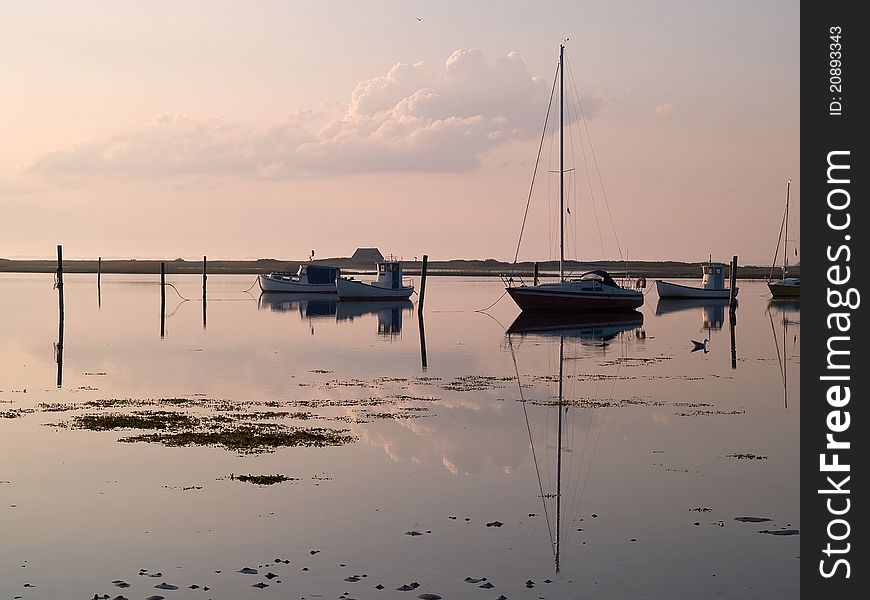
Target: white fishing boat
{"type": "Point", "coordinates": [786, 287]}
{"type": "Point", "coordinates": [309, 279]}
{"type": "Point", "coordinates": [595, 291]}
{"type": "Point", "coordinates": [712, 285]}
{"type": "Point", "coordinates": [389, 285]}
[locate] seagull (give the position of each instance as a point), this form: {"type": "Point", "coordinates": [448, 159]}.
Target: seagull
{"type": "Point", "coordinates": [700, 345]}
{"type": "Point", "coordinates": [419, 19]}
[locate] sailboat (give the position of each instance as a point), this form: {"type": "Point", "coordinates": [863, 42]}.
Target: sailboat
{"type": "Point", "coordinates": [593, 291]}
{"type": "Point", "coordinates": [787, 287]}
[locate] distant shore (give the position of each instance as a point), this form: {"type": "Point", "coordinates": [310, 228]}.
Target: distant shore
{"type": "Point", "coordinates": [470, 268]}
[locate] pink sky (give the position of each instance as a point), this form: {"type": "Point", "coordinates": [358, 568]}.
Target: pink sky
{"type": "Point", "coordinates": [267, 130]}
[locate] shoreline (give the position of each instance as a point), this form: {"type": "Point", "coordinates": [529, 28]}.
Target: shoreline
{"type": "Point", "coordinates": [454, 268]}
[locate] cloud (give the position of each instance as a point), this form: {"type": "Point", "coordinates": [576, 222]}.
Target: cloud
{"type": "Point", "coordinates": [413, 118]}
{"type": "Point", "coordinates": [664, 110]}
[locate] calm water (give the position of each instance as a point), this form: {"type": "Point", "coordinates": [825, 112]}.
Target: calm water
{"type": "Point", "coordinates": [647, 427]}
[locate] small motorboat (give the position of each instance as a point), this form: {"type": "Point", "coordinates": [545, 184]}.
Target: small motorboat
{"type": "Point", "coordinates": [389, 285]}
{"type": "Point", "coordinates": [712, 285]}
{"type": "Point", "coordinates": [309, 279]}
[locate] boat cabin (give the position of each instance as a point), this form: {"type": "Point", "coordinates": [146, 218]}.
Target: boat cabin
{"type": "Point", "coordinates": [714, 276]}
{"type": "Point", "coordinates": [319, 273]}
{"type": "Point", "coordinates": [594, 281]}
{"type": "Point", "coordinates": [389, 274]}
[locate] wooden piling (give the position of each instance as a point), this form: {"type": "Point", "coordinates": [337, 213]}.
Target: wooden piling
{"type": "Point", "coordinates": [59, 278]}
{"type": "Point", "coordinates": [204, 279]}
{"type": "Point", "coordinates": [59, 285]}
{"type": "Point", "coordinates": [99, 276]}
{"type": "Point", "coordinates": [732, 294]}
{"type": "Point", "coordinates": [536, 274]}
{"type": "Point", "coordinates": [162, 299]}
{"type": "Point", "coordinates": [423, 271]}
{"type": "Point", "coordinates": [423, 360]}
{"type": "Point", "coordinates": [732, 323]}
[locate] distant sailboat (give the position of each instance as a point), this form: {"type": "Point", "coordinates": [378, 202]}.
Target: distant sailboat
{"type": "Point", "coordinates": [592, 292]}
{"type": "Point", "coordinates": [787, 287]}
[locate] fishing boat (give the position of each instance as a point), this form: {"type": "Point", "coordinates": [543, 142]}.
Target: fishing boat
{"type": "Point", "coordinates": [712, 310]}
{"type": "Point", "coordinates": [313, 307]}
{"type": "Point", "coordinates": [389, 285]}
{"type": "Point", "coordinates": [786, 287]}
{"type": "Point", "coordinates": [308, 279]}
{"type": "Point", "coordinates": [712, 285]}
{"type": "Point", "coordinates": [593, 291]}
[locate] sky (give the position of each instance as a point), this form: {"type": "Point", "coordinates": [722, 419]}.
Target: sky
{"type": "Point", "coordinates": [270, 129]}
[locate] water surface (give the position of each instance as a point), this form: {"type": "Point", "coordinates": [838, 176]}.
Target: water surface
{"type": "Point", "coordinates": [662, 448]}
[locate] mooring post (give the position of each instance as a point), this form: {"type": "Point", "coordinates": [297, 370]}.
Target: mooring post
{"type": "Point", "coordinates": [99, 275]}
{"type": "Point", "coordinates": [732, 292]}
{"type": "Point", "coordinates": [162, 299]}
{"type": "Point", "coordinates": [423, 271]}
{"type": "Point", "coordinates": [732, 320]}
{"type": "Point", "coordinates": [204, 278]}
{"type": "Point", "coordinates": [536, 274]}
{"type": "Point", "coordinates": [59, 285]}
{"type": "Point", "coordinates": [425, 363]}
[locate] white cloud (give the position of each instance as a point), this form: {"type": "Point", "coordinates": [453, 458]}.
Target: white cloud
{"type": "Point", "coordinates": [664, 110]}
{"type": "Point", "coordinates": [414, 118]}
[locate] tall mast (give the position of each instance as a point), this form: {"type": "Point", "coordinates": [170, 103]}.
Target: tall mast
{"type": "Point", "coordinates": [785, 251]}
{"type": "Point", "coordinates": [561, 163]}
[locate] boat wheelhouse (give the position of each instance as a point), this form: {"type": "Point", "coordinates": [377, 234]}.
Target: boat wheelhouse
{"type": "Point", "coordinates": [389, 284]}
{"type": "Point", "coordinates": [309, 278]}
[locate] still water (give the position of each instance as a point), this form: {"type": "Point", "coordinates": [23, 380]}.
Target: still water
{"type": "Point", "coordinates": [452, 483]}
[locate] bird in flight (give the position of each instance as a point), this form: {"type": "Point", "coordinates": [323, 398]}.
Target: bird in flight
{"type": "Point", "coordinates": [419, 19]}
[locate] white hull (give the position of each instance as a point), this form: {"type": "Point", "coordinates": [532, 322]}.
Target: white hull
{"type": "Point", "coordinates": [275, 284]}
{"type": "Point", "coordinates": [674, 290]}
{"type": "Point", "coordinates": [351, 289]}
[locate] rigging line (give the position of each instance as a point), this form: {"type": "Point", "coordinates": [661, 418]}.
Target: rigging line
{"type": "Point", "coordinates": [776, 342]}
{"type": "Point", "coordinates": [595, 161]}
{"type": "Point", "coordinates": [576, 512]}
{"type": "Point", "coordinates": [776, 252]}
{"type": "Point", "coordinates": [535, 172]}
{"type": "Point", "coordinates": [483, 310]}
{"type": "Point", "coordinates": [597, 439]}
{"type": "Point", "coordinates": [588, 178]}
{"type": "Point", "coordinates": [572, 187]}
{"type": "Point", "coordinates": [531, 444]}
{"type": "Point", "coordinates": [177, 292]}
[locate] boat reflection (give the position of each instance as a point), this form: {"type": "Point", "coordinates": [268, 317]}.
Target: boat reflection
{"type": "Point", "coordinates": [563, 417]}
{"type": "Point", "coordinates": [319, 306]}
{"type": "Point", "coordinates": [712, 310]}
{"type": "Point", "coordinates": [598, 328]}
{"type": "Point", "coordinates": [788, 314]}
